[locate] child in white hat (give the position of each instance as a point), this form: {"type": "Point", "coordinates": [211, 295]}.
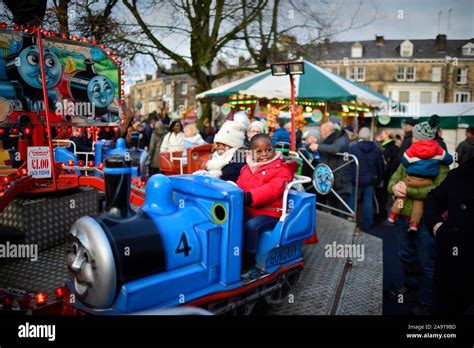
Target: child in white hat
{"type": "Point", "coordinates": [229, 156]}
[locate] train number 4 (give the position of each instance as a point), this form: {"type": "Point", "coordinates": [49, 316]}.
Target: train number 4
{"type": "Point", "coordinates": [183, 246]}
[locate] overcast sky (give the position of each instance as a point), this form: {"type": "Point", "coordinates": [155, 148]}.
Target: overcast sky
{"type": "Point", "coordinates": [400, 19]}
{"type": "Point", "coordinates": [419, 19]}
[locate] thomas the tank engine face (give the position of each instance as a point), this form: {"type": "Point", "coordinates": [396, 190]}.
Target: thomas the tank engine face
{"type": "Point", "coordinates": [100, 91]}
{"type": "Point", "coordinates": [29, 67]}
{"type": "Point", "coordinates": [91, 264]}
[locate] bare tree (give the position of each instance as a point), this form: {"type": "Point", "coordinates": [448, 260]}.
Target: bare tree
{"type": "Point", "coordinates": [273, 36]}
{"type": "Point", "coordinates": [206, 27]}
{"type": "Point", "coordinates": [60, 9]}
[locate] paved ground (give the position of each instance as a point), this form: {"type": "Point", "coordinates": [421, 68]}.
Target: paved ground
{"type": "Point", "coordinates": [329, 285]}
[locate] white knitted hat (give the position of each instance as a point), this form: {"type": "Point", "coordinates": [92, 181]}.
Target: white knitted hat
{"type": "Point", "coordinates": [241, 116]}
{"type": "Point", "coordinates": [232, 133]}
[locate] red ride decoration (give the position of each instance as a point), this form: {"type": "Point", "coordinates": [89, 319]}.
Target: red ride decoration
{"type": "Point", "coordinates": [94, 42]}
{"type": "Point", "coordinates": [70, 163]}
{"type": "Point", "coordinates": [7, 303]}
{"type": "Point", "coordinates": [27, 131]}
{"type": "Point", "coordinates": [90, 163]}
{"type": "Point", "coordinates": [15, 131]}
{"type": "Point", "coordinates": [107, 129]}
{"type": "Point", "coordinates": [100, 166]}
{"type": "Point", "coordinates": [41, 298]}
{"type": "Point", "coordinates": [116, 129]}
{"type": "Point", "coordinates": [53, 35]}
{"type": "Point", "coordinates": [84, 39]}
{"type": "Point", "coordinates": [24, 302]}
{"type": "Point", "coordinates": [59, 292]}
{"type": "Point", "coordinates": [74, 38]}
{"type": "Point", "coordinates": [23, 172]}
{"type": "Point", "coordinates": [6, 180]}
{"type": "Point", "coordinates": [16, 27]}
{"type": "Point", "coordinates": [64, 36]}
{"type": "Point", "coordinates": [2, 131]}
{"type": "Point", "coordinates": [3, 25]}
{"type": "Point", "coordinates": [80, 163]}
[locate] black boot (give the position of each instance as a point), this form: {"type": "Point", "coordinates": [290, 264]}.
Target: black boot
{"type": "Point", "coordinates": [248, 260]}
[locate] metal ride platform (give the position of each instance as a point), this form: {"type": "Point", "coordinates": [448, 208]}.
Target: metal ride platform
{"type": "Point", "coordinates": [337, 286]}
{"type": "Point", "coordinates": [47, 273]}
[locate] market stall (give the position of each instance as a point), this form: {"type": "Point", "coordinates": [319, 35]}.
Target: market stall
{"type": "Point", "coordinates": [320, 95]}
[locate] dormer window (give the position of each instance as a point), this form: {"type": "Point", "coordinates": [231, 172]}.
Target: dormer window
{"type": "Point", "coordinates": [468, 49]}
{"type": "Point", "coordinates": [406, 49]}
{"type": "Point", "coordinates": [356, 51]}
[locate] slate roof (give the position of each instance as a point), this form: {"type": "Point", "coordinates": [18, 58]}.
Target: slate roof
{"type": "Point", "coordinates": [390, 49]}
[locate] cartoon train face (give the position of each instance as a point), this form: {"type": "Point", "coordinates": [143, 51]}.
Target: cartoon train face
{"type": "Point", "coordinates": [100, 91]}
{"type": "Point", "coordinates": [24, 67]}
{"type": "Point", "coordinates": [185, 243]}
{"type": "Point", "coordinates": [29, 67]}
{"type": "Point", "coordinates": [87, 86]}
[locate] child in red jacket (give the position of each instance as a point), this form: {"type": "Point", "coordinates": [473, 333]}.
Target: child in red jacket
{"type": "Point", "coordinates": [263, 180]}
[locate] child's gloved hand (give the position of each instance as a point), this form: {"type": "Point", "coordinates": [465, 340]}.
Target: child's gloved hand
{"type": "Point", "coordinates": [247, 199]}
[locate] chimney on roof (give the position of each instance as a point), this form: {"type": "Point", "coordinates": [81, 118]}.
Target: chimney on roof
{"type": "Point", "coordinates": [324, 44]}
{"type": "Point", "coordinates": [379, 40]}
{"type": "Point", "coordinates": [441, 43]}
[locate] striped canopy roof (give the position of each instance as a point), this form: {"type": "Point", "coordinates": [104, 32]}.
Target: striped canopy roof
{"type": "Point", "coordinates": [315, 84]}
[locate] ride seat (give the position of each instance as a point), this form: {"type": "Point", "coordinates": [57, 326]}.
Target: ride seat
{"type": "Point", "coordinates": [169, 166]}
{"type": "Point", "coordinates": [198, 157]}
{"type": "Point", "coordinates": [297, 225]}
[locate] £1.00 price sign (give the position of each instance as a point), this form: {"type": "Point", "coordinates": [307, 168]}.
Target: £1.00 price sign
{"type": "Point", "coordinates": [39, 162]}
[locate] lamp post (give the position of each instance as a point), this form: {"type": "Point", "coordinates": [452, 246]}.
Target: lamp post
{"type": "Point", "coordinates": [290, 68]}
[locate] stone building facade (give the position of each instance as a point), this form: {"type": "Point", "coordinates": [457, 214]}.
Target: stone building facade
{"type": "Point", "coordinates": [159, 90]}
{"type": "Point", "coordinates": [412, 71]}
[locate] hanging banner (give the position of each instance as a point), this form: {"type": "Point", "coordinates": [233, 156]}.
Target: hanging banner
{"type": "Point", "coordinates": [39, 162]}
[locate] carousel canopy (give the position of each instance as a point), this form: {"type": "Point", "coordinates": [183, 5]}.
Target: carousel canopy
{"type": "Point", "coordinates": [316, 84]}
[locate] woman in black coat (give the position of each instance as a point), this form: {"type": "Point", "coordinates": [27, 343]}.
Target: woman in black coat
{"type": "Point", "coordinates": [454, 238]}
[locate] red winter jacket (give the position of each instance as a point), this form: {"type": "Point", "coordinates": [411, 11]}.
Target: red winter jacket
{"type": "Point", "coordinates": [267, 186]}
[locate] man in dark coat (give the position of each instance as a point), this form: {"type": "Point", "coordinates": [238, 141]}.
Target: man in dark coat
{"type": "Point", "coordinates": [334, 142]}
{"type": "Point", "coordinates": [465, 149]}
{"type": "Point", "coordinates": [391, 156]}
{"type": "Point", "coordinates": [454, 268]}
{"type": "Point", "coordinates": [371, 169]}
{"type": "Point", "coordinates": [407, 140]}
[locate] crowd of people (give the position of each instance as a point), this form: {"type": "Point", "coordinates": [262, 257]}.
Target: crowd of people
{"type": "Point", "coordinates": [405, 181]}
